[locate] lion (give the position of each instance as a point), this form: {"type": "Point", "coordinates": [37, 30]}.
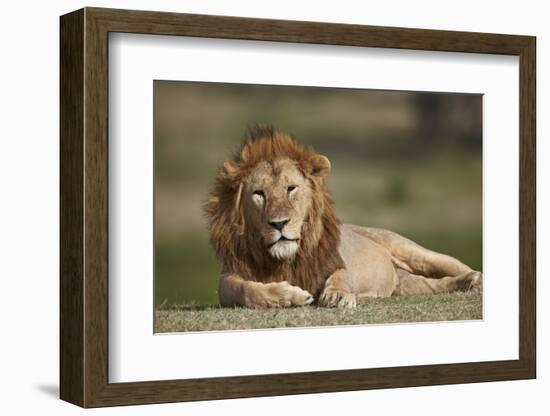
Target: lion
{"type": "Point", "coordinates": [272, 223]}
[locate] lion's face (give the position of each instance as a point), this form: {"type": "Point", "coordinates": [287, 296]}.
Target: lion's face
{"type": "Point", "coordinates": [277, 199]}
{"type": "Point", "coordinates": [270, 204]}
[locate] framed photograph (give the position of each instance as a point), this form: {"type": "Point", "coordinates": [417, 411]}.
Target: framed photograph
{"type": "Point", "coordinates": [255, 207]}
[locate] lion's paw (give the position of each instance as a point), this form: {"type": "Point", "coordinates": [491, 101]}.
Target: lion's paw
{"type": "Point", "coordinates": [332, 298]}
{"type": "Point", "coordinates": [474, 281]}
{"type": "Point", "coordinates": [283, 295]}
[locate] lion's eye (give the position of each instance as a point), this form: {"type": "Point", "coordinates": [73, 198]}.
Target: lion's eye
{"type": "Point", "coordinates": [259, 193]}
{"type": "Point", "coordinates": [291, 188]}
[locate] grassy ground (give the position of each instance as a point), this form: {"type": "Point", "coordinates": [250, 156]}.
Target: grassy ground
{"type": "Point", "coordinates": [418, 308]}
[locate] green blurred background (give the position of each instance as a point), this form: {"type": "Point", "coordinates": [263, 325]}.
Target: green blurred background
{"type": "Point", "coordinates": [407, 161]}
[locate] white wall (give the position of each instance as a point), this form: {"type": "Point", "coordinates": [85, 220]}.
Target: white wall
{"type": "Point", "coordinates": [29, 205]}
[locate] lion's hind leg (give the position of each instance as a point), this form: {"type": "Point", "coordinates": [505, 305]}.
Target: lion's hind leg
{"type": "Point", "coordinates": [420, 270]}
{"type": "Point", "coordinates": [425, 271]}
{"type": "Point", "coordinates": [412, 257]}
{"type": "Point", "coordinates": [414, 284]}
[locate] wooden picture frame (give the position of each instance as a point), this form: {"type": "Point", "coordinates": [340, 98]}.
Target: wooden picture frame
{"type": "Point", "coordinates": [84, 207]}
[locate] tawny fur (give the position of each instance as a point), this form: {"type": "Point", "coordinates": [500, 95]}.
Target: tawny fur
{"type": "Point", "coordinates": [316, 259]}
{"type": "Point", "coordinates": [333, 264]}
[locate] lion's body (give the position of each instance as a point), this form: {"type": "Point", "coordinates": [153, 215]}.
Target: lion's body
{"type": "Point", "coordinates": [381, 263]}
{"type": "Point", "coordinates": [273, 224]}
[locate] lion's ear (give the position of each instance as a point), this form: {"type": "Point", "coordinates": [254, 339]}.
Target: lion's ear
{"type": "Point", "coordinates": [320, 166]}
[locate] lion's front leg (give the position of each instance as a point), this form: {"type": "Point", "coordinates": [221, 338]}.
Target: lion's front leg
{"type": "Point", "coordinates": [236, 291]}
{"type": "Point", "coordinates": [337, 292]}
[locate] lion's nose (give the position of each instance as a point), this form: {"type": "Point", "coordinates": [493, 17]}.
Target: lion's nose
{"type": "Point", "coordinates": [279, 225]}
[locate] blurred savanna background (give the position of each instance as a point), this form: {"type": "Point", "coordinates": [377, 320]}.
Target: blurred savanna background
{"type": "Point", "coordinates": [407, 161]}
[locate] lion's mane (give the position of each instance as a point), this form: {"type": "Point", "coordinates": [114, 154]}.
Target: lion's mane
{"type": "Point", "coordinates": [317, 257]}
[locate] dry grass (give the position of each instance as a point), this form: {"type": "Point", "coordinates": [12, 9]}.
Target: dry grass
{"type": "Point", "coordinates": [418, 308]}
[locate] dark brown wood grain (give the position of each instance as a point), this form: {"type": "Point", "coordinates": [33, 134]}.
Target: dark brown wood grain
{"type": "Point", "coordinates": [527, 208]}
{"type": "Point", "coordinates": [71, 99]}
{"type": "Point", "coordinates": [84, 207]}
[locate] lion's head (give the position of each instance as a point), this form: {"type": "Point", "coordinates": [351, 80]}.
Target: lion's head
{"type": "Point", "coordinates": [270, 215]}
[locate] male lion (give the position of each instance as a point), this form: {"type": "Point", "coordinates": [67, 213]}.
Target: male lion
{"type": "Point", "coordinates": [272, 223]}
